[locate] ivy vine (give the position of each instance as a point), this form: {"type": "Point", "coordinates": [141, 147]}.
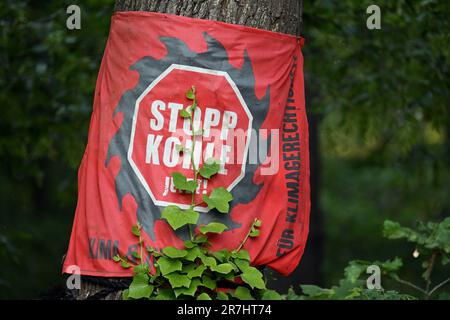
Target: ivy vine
{"type": "Point", "coordinates": [195, 272]}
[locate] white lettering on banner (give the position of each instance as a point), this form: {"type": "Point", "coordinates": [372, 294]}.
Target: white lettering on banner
{"type": "Point", "coordinates": [161, 140]}
{"type": "Point", "coordinates": [152, 149]}
{"type": "Point", "coordinates": [215, 124]}
{"type": "Point", "coordinates": [174, 110]}
{"type": "Point", "coordinates": [169, 186]}
{"type": "Point", "coordinates": [224, 158]}
{"type": "Point", "coordinates": [212, 119]}
{"type": "Point", "coordinates": [229, 122]}
{"type": "Point", "coordinates": [158, 122]}
{"type": "Point", "coordinates": [171, 155]}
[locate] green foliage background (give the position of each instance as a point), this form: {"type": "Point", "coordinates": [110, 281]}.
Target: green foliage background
{"type": "Point", "coordinates": [382, 97]}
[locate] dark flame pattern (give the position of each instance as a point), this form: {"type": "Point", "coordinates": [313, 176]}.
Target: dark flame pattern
{"type": "Point", "coordinates": [149, 69]}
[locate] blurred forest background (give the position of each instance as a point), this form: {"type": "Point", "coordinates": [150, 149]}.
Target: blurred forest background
{"type": "Point", "coordinates": [378, 100]}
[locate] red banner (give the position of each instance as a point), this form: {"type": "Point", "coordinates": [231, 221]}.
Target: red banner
{"type": "Point", "coordinates": [251, 112]}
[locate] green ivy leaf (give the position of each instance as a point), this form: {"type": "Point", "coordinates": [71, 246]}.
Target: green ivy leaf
{"type": "Point", "coordinates": [125, 264]}
{"type": "Point", "coordinates": [316, 292]}
{"type": "Point", "coordinates": [139, 287]}
{"type": "Point", "coordinates": [235, 267]}
{"type": "Point", "coordinates": [181, 183]}
{"type": "Point", "coordinates": [200, 239]}
{"type": "Point", "coordinates": [223, 268]}
{"type": "Point", "coordinates": [125, 294]}
{"type": "Point", "coordinates": [213, 227]}
{"type": "Point", "coordinates": [136, 255]}
{"type": "Point", "coordinates": [229, 276]}
{"type": "Point", "coordinates": [136, 231]}
{"type": "Point", "coordinates": [165, 294]}
{"type": "Point", "coordinates": [116, 258]}
{"type": "Point", "coordinates": [257, 223]}
{"type": "Point", "coordinates": [190, 94]}
{"type": "Point", "coordinates": [241, 254]}
{"type": "Point", "coordinates": [167, 265]}
{"type": "Point", "coordinates": [271, 295]}
{"type": "Point", "coordinates": [193, 254]}
{"type": "Point", "coordinates": [208, 282]}
{"type": "Point", "coordinates": [190, 291]}
{"type": "Point", "coordinates": [243, 293]}
{"type": "Point", "coordinates": [219, 199]}
{"type": "Point", "coordinates": [185, 114]}
{"type": "Point", "coordinates": [153, 252]}
{"type": "Point", "coordinates": [174, 253]}
{"type": "Point", "coordinates": [254, 278]}
{"type": "Point", "coordinates": [178, 280]}
{"type": "Point", "coordinates": [208, 261]}
{"type": "Point", "coordinates": [222, 296]}
{"type": "Point", "coordinates": [141, 268]}
{"type": "Point", "coordinates": [189, 244]}
{"type": "Point", "coordinates": [197, 272]}
{"type": "Point", "coordinates": [156, 275]}
{"type": "Point", "coordinates": [178, 218]}
{"type": "Point", "coordinates": [188, 267]}
{"type": "Point", "coordinates": [209, 168]}
{"type": "Point", "coordinates": [204, 296]}
{"type": "Point", "coordinates": [254, 233]}
{"type": "Point", "coordinates": [354, 270]}
{"type": "Point", "coordinates": [222, 255]}
{"type": "Point", "coordinates": [156, 254]}
{"type": "Point", "coordinates": [242, 264]}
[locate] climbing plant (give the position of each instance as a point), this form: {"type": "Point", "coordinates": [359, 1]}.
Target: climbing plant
{"type": "Point", "coordinates": [195, 271]}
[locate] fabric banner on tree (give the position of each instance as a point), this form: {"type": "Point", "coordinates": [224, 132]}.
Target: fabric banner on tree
{"type": "Point", "coordinates": [250, 116]}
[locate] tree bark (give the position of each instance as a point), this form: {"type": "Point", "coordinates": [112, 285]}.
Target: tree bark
{"type": "Point", "coordinates": [283, 16]}
{"type": "Point", "coordinates": [275, 15]}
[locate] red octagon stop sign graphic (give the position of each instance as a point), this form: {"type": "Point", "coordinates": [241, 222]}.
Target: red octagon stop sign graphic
{"type": "Point", "coordinates": [222, 122]}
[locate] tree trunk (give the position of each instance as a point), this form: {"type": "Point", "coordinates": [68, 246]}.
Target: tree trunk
{"type": "Point", "coordinates": [275, 15]}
